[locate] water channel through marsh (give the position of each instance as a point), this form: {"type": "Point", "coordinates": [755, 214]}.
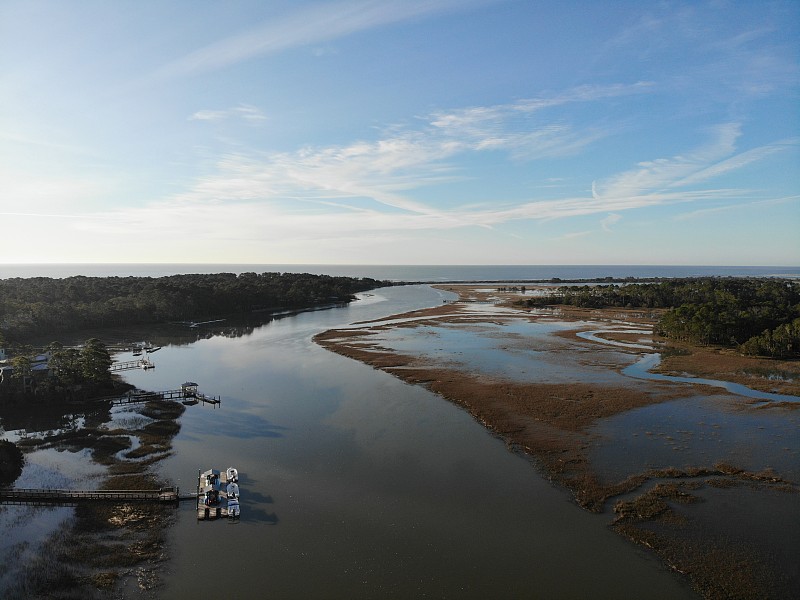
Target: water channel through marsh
{"type": "Point", "coordinates": [357, 485]}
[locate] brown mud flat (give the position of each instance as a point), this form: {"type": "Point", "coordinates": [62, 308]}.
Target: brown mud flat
{"type": "Point", "coordinates": [551, 422]}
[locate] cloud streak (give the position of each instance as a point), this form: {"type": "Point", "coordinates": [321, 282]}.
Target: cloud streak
{"type": "Point", "coordinates": [246, 112]}
{"type": "Point", "coordinates": [308, 25]}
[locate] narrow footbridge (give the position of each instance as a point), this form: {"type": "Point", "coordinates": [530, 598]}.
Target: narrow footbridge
{"type": "Point", "coordinates": [73, 497]}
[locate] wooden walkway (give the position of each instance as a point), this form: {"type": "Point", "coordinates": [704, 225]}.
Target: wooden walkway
{"type": "Point", "coordinates": [184, 395]}
{"type": "Point", "coordinates": [71, 497]}
{"type": "Point", "coordinates": [127, 365]}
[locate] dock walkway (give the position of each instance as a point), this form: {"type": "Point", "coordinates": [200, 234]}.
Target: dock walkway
{"type": "Point", "coordinates": [187, 394]}
{"type": "Point", "coordinates": [142, 363]}
{"type": "Point", "coordinates": [71, 497]}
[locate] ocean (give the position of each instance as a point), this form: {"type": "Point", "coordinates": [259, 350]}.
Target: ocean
{"type": "Point", "coordinates": [410, 273]}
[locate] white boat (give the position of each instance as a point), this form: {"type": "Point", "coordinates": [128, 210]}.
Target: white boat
{"type": "Point", "coordinates": [232, 490]}
{"type": "Point", "coordinates": [232, 474]}
{"type": "Point", "coordinates": [233, 508]}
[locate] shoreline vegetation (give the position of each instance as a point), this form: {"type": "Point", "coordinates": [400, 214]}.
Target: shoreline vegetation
{"type": "Point", "coordinates": [36, 306]}
{"type": "Point", "coordinates": [555, 423]}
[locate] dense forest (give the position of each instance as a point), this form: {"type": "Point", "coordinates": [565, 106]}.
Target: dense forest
{"type": "Point", "coordinates": [757, 316]}
{"type": "Point", "coordinates": [43, 306]}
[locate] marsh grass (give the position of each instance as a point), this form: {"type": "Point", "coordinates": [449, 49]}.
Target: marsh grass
{"type": "Point", "coordinates": [107, 542]}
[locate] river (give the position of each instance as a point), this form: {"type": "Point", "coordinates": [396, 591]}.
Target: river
{"type": "Point", "coordinates": [357, 485]}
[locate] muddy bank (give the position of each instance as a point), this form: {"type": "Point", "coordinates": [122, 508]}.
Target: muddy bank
{"type": "Point", "coordinates": [557, 391]}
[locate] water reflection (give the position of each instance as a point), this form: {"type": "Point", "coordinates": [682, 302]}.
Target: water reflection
{"type": "Point", "coordinates": [641, 370]}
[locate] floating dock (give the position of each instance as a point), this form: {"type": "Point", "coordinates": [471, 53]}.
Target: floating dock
{"type": "Point", "coordinates": [213, 498]}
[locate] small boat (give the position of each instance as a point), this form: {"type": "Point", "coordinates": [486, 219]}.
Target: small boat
{"type": "Point", "coordinates": [232, 474]}
{"type": "Point", "coordinates": [151, 349]}
{"type": "Point", "coordinates": [232, 490]}
{"type": "Point", "coordinates": [233, 508]}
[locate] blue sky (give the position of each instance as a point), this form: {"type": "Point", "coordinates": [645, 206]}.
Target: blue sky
{"type": "Point", "coordinates": [413, 132]}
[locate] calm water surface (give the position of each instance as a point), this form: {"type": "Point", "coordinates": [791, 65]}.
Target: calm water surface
{"type": "Point", "coordinates": [357, 485]}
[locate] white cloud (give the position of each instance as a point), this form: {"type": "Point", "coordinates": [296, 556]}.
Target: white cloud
{"type": "Point", "coordinates": [308, 25]}
{"type": "Point", "coordinates": [737, 162]}
{"type": "Point", "coordinates": [209, 115]}
{"type": "Point", "coordinates": [246, 112]}
{"type": "Point", "coordinates": [610, 220]}
{"type": "Point", "coordinates": [366, 189]}
{"type": "Point", "coordinates": [662, 173]}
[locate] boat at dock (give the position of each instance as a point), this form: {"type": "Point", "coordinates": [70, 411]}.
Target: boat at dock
{"type": "Point", "coordinates": [218, 494]}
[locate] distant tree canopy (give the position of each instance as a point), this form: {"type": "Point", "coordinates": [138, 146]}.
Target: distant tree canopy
{"type": "Point", "coordinates": [42, 305]}
{"type": "Point", "coordinates": [71, 372]}
{"type": "Point", "coordinates": [759, 316]}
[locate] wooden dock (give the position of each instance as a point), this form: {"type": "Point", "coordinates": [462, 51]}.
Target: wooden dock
{"type": "Point", "coordinates": [73, 497]}
{"type": "Point", "coordinates": [128, 365]}
{"type": "Point", "coordinates": [188, 394]}
{"type": "Point", "coordinates": [210, 512]}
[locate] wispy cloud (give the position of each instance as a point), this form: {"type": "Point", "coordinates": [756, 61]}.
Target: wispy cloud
{"type": "Point", "coordinates": [663, 173]}
{"type": "Point", "coordinates": [737, 162]}
{"type": "Point", "coordinates": [610, 220]}
{"type": "Point", "coordinates": [703, 212]}
{"type": "Point", "coordinates": [372, 187]}
{"type": "Point", "coordinates": [308, 25]}
{"type": "Point", "coordinates": [383, 171]}
{"type": "Point", "coordinates": [246, 112]}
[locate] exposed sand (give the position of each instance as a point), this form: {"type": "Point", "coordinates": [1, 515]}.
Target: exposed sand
{"type": "Point", "coordinates": [552, 422]}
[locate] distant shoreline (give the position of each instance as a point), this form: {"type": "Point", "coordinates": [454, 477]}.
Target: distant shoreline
{"type": "Point", "coordinates": [409, 273]}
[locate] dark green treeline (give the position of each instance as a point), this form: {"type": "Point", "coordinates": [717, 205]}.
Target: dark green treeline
{"type": "Point", "coordinates": [758, 316]}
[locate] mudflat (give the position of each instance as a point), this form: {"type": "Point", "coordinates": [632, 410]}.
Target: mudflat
{"type": "Point", "coordinates": [684, 469]}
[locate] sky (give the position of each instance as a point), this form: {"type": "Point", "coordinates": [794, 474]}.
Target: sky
{"type": "Point", "coordinates": [400, 132]}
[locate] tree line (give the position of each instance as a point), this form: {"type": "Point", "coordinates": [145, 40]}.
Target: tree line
{"type": "Point", "coordinates": [757, 316]}
{"type": "Point", "coordinates": [42, 305]}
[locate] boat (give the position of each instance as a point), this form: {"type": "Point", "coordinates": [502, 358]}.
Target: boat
{"type": "Point", "coordinates": [151, 349]}
{"type": "Point", "coordinates": [232, 490]}
{"type": "Point", "coordinates": [233, 508]}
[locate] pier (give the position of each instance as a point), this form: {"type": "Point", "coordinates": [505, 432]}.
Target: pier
{"type": "Point", "coordinates": [127, 365]}
{"type": "Point", "coordinates": [74, 497]}
{"type": "Point", "coordinates": [187, 394]}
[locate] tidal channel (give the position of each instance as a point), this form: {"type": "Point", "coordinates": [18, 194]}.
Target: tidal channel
{"type": "Point", "coordinates": [355, 484]}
